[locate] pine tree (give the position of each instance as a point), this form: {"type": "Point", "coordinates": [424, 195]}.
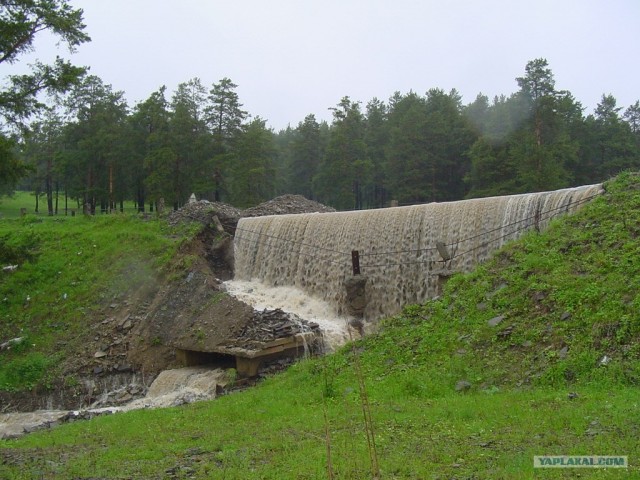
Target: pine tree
{"type": "Point", "coordinates": [190, 143]}
{"type": "Point", "coordinates": [226, 119]}
{"type": "Point", "coordinates": [306, 154]}
{"type": "Point", "coordinates": [151, 151]}
{"type": "Point", "coordinates": [20, 24]}
{"type": "Point", "coordinates": [95, 140]}
{"type": "Point", "coordinates": [542, 146]}
{"type": "Point", "coordinates": [345, 168]}
{"type": "Point", "coordinates": [252, 177]}
{"type": "Point", "coordinates": [616, 145]}
{"type": "Point", "coordinates": [376, 140]}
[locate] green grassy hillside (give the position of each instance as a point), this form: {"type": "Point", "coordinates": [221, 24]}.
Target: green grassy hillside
{"type": "Point", "coordinates": [537, 352]}
{"type": "Point", "coordinates": [68, 268]}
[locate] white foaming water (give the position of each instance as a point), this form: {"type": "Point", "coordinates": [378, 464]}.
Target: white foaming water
{"type": "Point", "coordinates": [397, 246]}
{"type": "Point", "coordinates": [179, 386]}
{"type": "Point", "coordinates": [293, 300]}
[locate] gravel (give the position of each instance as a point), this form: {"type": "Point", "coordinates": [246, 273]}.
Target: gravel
{"type": "Point", "coordinates": [203, 211]}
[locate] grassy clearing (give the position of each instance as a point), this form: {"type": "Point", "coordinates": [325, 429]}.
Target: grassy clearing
{"type": "Point", "coordinates": [68, 267]}
{"type": "Point", "coordinates": [10, 205]}
{"type": "Point", "coordinates": [557, 375]}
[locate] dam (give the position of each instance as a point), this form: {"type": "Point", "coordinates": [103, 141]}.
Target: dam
{"type": "Point", "coordinates": [404, 252]}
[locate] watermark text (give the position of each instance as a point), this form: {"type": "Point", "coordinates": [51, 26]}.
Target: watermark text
{"type": "Point", "coordinates": [580, 461]}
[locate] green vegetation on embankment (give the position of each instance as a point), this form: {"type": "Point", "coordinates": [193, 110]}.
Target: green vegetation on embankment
{"type": "Point", "coordinates": [67, 268]}
{"type": "Point", "coordinates": [543, 343]}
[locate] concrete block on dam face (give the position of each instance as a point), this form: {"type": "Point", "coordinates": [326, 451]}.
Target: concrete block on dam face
{"type": "Point", "coordinates": [356, 294]}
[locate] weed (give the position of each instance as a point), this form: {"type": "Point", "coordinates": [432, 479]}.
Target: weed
{"type": "Point", "coordinates": [71, 381]}
{"type": "Point", "coordinates": [217, 298]}
{"type": "Point", "coordinates": [200, 335]}
{"type": "Point", "coordinates": [232, 375]}
{"type": "Point", "coordinates": [24, 372]}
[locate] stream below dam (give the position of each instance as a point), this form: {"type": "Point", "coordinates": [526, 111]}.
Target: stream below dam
{"type": "Point", "coordinates": [182, 385]}
{"type": "Point", "coordinates": [170, 388]}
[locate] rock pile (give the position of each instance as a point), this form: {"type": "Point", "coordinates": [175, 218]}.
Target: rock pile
{"type": "Point", "coordinates": [287, 204]}
{"type": "Point", "coordinates": [203, 211]}
{"type": "Point", "coordinates": [269, 325]}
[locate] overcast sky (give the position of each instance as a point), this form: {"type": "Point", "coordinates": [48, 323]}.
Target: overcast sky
{"type": "Point", "coordinates": [291, 58]}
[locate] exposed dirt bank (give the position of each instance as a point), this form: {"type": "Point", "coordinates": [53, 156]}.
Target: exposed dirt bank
{"type": "Point", "coordinates": [136, 334]}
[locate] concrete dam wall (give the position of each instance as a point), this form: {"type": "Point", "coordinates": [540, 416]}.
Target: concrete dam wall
{"type": "Point", "coordinates": [403, 251]}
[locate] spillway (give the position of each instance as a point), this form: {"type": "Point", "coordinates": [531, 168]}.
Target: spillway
{"type": "Point", "coordinates": [397, 246]}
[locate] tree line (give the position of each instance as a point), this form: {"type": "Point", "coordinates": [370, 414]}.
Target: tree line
{"type": "Point", "coordinates": [412, 148]}
{"type": "Point", "coordinates": [87, 145]}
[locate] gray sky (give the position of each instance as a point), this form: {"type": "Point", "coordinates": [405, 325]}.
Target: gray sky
{"type": "Point", "coordinates": [291, 58]}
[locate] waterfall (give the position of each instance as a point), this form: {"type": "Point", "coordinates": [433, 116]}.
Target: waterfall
{"type": "Point", "coordinates": [397, 246]}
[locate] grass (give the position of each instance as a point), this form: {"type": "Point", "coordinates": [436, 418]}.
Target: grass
{"type": "Point", "coordinates": [10, 205]}
{"type": "Point", "coordinates": [277, 431]}
{"type": "Point", "coordinates": [537, 382]}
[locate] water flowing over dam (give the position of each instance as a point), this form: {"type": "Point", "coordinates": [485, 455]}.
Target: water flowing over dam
{"type": "Point", "coordinates": [398, 247]}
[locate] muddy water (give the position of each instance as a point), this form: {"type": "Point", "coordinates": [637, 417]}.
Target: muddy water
{"type": "Point", "coordinates": [179, 386]}
{"type": "Point", "coordinates": [334, 327]}
{"type": "Point", "coordinates": [170, 388]}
